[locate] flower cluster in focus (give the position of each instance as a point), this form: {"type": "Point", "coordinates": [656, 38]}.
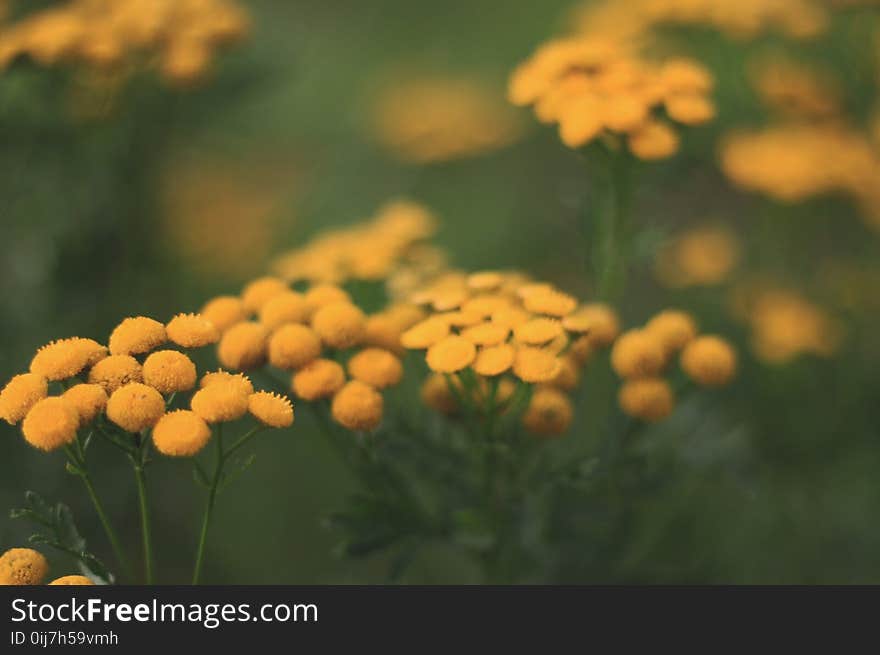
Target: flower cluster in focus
{"type": "Point", "coordinates": [25, 566]}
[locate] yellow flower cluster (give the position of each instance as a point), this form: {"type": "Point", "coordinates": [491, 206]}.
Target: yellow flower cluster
{"type": "Point", "coordinates": [796, 161]}
{"type": "Point", "coordinates": [368, 251]}
{"type": "Point", "coordinates": [795, 90]}
{"type": "Point", "coordinates": [702, 256]}
{"type": "Point", "coordinates": [308, 334]}
{"type": "Point", "coordinates": [504, 326]}
{"type": "Point", "coordinates": [594, 87]}
{"type": "Point", "coordinates": [441, 119]}
{"type": "Point", "coordinates": [739, 19]}
{"type": "Point", "coordinates": [784, 325]}
{"type": "Point", "coordinates": [641, 356]}
{"type": "Point", "coordinates": [182, 35]}
{"type": "Point", "coordinates": [24, 566]}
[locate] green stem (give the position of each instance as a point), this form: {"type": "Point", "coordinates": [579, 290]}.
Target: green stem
{"type": "Point", "coordinates": [613, 230]}
{"type": "Point", "coordinates": [108, 528]}
{"type": "Point", "coordinates": [209, 507]}
{"type": "Point", "coordinates": [140, 478]}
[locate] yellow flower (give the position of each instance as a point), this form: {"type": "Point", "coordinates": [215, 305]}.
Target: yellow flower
{"type": "Point", "coordinates": [271, 409]}
{"type": "Point", "coordinates": [638, 354]}
{"type": "Point", "coordinates": [318, 379]}
{"type": "Point", "coordinates": [221, 400]}
{"type": "Point", "coordinates": [135, 407]}
{"type": "Point", "coordinates": [243, 346]}
{"type": "Point", "coordinates": [551, 303]}
{"type": "Point", "coordinates": [137, 335]}
{"type": "Point", "coordinates": [116, 371]}
{"type": "Point", "coordinates": [325, 294]}
{"type": "Point", "coordinates": [709, 361]}
{"type": "Point", "coordinates": [224, 312]}
{"type": "Point", "coordinates": [65, 358]}
{"type": "Point", "coordinates": [690, 108]}
{"type": "Point", "coordinates": [485, 305]}
{"type": "Point", "coordinates": [451, 355]}
{"type": "Point", "coordinates": [486, 334]}
{"type": "Point", "coordinates": [22, 566]}
{"type": "Point", "coordinates": [50, 424]}
{"type": "Point", "coordinates": [702, 256]}
{"type": "Point", "coordinates": [286, 307]}
{"type": "Point", "coordinates": [76, 580]}
{"type": "Point", "coordinates": [494, 360]}
{"type": "Point", "coordinates": [383, 331]}
{"type": "Point", "coordinates": [378, 368]}
{"type": "Point", "coordinates": [425, 334]}
{"type": "Point", "coordinates": [569, 374]}
{"type": "Point", "coordinates": [649, 399]}
{"type": "Point", "coordinates": [673, 328]}
{"type": "Point", "coordinates": [511, 317]}
{"type": "Point", "coordinates": [653, 140]}
{"type": "Point", "coordinates": [89, 400]}
{"type": "Point", "coordinates": [169, 371]}
{"type": "Point", "coordinates": [535, 365]}
{"type": "Point", "coordinates": [20, 394]}
{"type": "Point", "coordinates": [549, 414]}
{"type": "Point", "coordinates": [582, 349]}
{"type": "Point", "coordinates": [181, 433]}
{"type": "Point", "coordinates": [340, 325]}
{"type": "Point", "coordinates": [260, 291]}
{"type": "Point", "coordinates": [485, 280]}
{"type": "Point", "coordinates": [357, 406]}
{"type": "Point", "coordinates": [192, 331]}
{"type": "Point", "coordinates": [538, 331]}
{"type": "Point", "coordinates": [597, 320]}
{"type": "Point", "coordinates": [435, 393]}
{"type": "Point", "coordinates": [293, 346]}
{"type": "Point", "coordinates": [238, 379]}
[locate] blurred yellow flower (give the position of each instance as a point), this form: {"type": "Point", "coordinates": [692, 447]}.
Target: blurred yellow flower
{"type": "Point", "coordinates": [638, 354]}
{"type": "Point", "coordinates": [340, 325]}
{"type": "Point", "coordinates": [72, 580]}
{"type": "Point", "coordinates": [649, 399]}
{"type": "Point", "coordinates": [357, 407]}
{"type": "Point", "coordinates": [243, 346]}
{"type": "Point", "coordinates": [702, 256]}
{"type": "Point", "coordinates": [378, 368]}
{"type": "Point", "coordinates": [709, 361]}
{"type": "Point", "coordinates": [293, 346]}
{"type": "Point", "coordinates": [318, 379]}
{"type": "Point", "coordinates": [549, 413]}
{"type": "Point", "coordinates": [795, 90]}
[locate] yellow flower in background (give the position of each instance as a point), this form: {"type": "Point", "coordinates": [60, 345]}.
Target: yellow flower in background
{"type": "Point", "coordinates": [260, 291]}
{"type": "Point", "coordinates": [243, 346]}
{"type": "Point", "coordinates": [376, 367]}
{"type": "Point", "coordinates": [451, 355]}
{"type": "Point", "coordinates": [20, 394]}
{"type": "Point", "coordinates": [22, 566]}
{"type": "Point", "coordinates": [192, 331]}
{"type": "Point", "coordinates": [72, 580]}
{"type": "Point", "coordinates": [702, 256]}
{"type": "Point", "coordinates": [428, 119]}
{"type": "Point", "coordinates": [340, 325]}
{"type": "Point", "coordinates": [437, 395]}
{"type": "Point", "coordinates": [709, 361]}
{"type": "Point", "coordinates": [293, 346]}
{"type": "Point", "coordinates": [549, 414]}
{"type": "Point", "coordinates": [318, 379]}
{"type": "Point", "coordinates": [794, 89]}
{"type": "Point", "coordinates": [224, 311]}
{"type": "Point", "coordinates": [270, 409]}
{"type": "Point", "coordinates": [638, 354]}
{"type": "Point", "coordinates": [357, 406]}
{"type": "Point", "coordinates": [674, 329]}
{"type": "Point", "coordinates": [135, 407]}
{"type": "Point", "coordinates": [181, 433]}
{"type": "Point", "coordinates": [648, 399]}
{"type": "Point", "coordinates": [51, 423]}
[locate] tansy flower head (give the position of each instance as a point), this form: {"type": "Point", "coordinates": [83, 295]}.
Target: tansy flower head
{"type": "Point", "coordinates": [116, 371]}
{"type": "Point", "coordinates": [221, 401]}
{"type": "Point", "coordinates": [238, 379]}
{"type": "Point", "coordinates": [293, 346]}
{"type": "Point", "coordinates": [597, 320]}
{"type": "Point", "coordinates": [551, 303]}
{"type": "Point", "coordinates": [169, 371]}
{"type": "Point", "coordinates": [451, 355]}
{"type": "Point", "coordinates": [494, 360]}
{"type": "Point", "coordinates": [65, 358]}
{"type": "Point", "coordinates": [485, 280]}
{"type": "Point", "coordinates": [709, 361]}
{"type": "Point", "coordinates": [549, 413]}
{"type": "Point", "coordinates": [486, 334]}
{"type": "Point", "coordinates": [243, 346]}
{"type": "Point", "coordinates": [674, 329]}
{"type": "Point", "coordinates": [378, 368]}
{"type": "Point", "coordinates": [89, 400]}
{"type": "Point", "coordinates": [22, 566]}
{"type": "Point", "coordinates": [224, 312]}
{"type": "Point", "coordinates": [649, 399]}
{"type": "Point", "coordinates": [324, 294]}
{"type": "Point", "coordinates": [135, 407]}
{"type": "Point", "coordinates": [260, 291]}
{"type": "Point", "coordinates": [320, 378]}
{"type": "Point", "coordinates": [181, 433]}
{"type": "Point", "coordinates": [581, 349]}
{"type": "Point", "coordinates": [538, 331]}
{"type": "Point", "coordinates": [72, 580]}
{"type": "Point", "coordinates": [535, 365]}
{"type": "Point", "coordinates": [703, 256]}
{"type": "Point", "coordinates": [357, 406]}
{"type": "Point", "coordinates": [286, 307]}
{"type": "Point", "coordinates": [51, 423]}
{"type": "Point", "coordinates": [383, 331]}
{"type": "Point", "coordinates": [137, 335]}
{"type": "Point", "coordinates": [425, 334]}
{"type": "Point", "coordinates": [340, 325]}
{"type": "Point", "coordinates": [192, 331]}
{"type": "Point", "coordinates": [638, 354]}
{"type": "Point", "coordinates": [271, 409]}
{"type": "Point", "coordinates": [20, 394]}
{"type": "Point", "coordinates": [569, 374]}
{"type": "Point", "coordinates": [437, 395]}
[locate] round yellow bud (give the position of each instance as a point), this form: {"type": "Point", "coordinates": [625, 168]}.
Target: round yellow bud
{"type": "Point", "coordinates": [435, 393]}
{"type": "Point", "coordinates": [549, 414]}
{"type": "Point", "coordinates": [382, 331]}
{"type": "Point", "coordinates": [690, 108]}
{"type": "Point", "coordinates": [22, 566]}
{"type": "Point", "coordinates": [598, 321]}
{"type": "Point", "coordinates": [135, 407]}
{"type": "Point", "coordinates": [320, 378]}
{"type": "Point", "coordinates": [137, 335]}
{"type": "Point", "coordinates": [538, 331]}
{"type": "Point", "coordinates": [378, 368]}
{"type": "Point", "coordinates": [169, 371]}
{"type": "Point", "coordinates": [535, 365]}
{"type": "Point", "coordinates": [494, 360]}
{"type": "Point", "coordinates": [72, 580]}
{"type": "Point", "coordinates": [709, 361]}
{"type": "Point", "coordinates": [358, 406]}
{"type": "Point", "coordinates": [293, 346]}
{"type": "Point", "coordinates": [192, 331]}
{"type": "Point", "coordinates": [638, 354]}
{"type": "Point", "coordinates": [239, 379]}
{"type": "Point", "coordinates": [271, 409]}
{"type": "Point", "coordinates": [287, 307]}
{"type": "Point", "coordinates": [425, 334]}
{"type": "Point", "coordinates": [116, 371]}
{"type": "Point", "coordinates": [20, 394]}
{"type": "Point", "coordinates": [673, 328]}
{"type": "Point", "coordinates": [485, 280]}
{"type": "Point", "coordinates": [551, 303]}
{"type": "Point", "coordinates": [89, 400]}
{"type": "Point", "coordinates": [243, 346]}
{"type": "Point", "coordinates": [569, 373]}
{"type": "Point", "coordinates": [451, 355]}
{"type": "Point", "coordinates": [582, 349]}
{"type": "Point", "coordinates": [653, 140]}
{"type": "Point", "coordinates": [223, 312]}
{"type": "Point", "coordinates": [65, 358]}
{"type": "Point", "coordinates": [181, 433]}
{"type": "Point", "coordinates": [512, 317]}
{"type": "Point", "coordinates": [324, 294]}
{"type": "Point", "coordinates": [221, 401]}
{"type": "Point", "coordinates": [260, 291]}
{"type": "Point", "coordinates": [340, 325]}
{"type": "Point", "coordinates": [649, 399]}
{"type": "Point", "coordinates": [51, 423]}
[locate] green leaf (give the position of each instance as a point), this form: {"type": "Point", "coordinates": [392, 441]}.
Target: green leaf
{"type": "Point", "coordinates": [73, 470]}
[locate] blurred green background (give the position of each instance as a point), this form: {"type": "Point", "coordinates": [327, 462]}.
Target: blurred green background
{"type": "Point", "coordinates": [175, 195]}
